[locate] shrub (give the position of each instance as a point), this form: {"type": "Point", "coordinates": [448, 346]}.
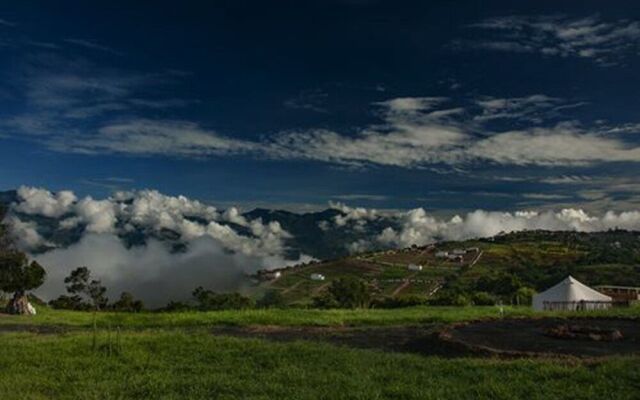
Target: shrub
{"type": "Point", "coordinates": [483, 299]}
{"type": "Point", "coordinates": [74, 302]}
{"type": "Point", "coordinates": [177, 306]}
{"type": "Point", "coordinates": [345, 293]}
{"type": "Point", "coordinates": [400, 302]}
{"type": "Point", "coordinates": [209, 300]}
{"type": "Point", "coordinates": [127, 303]}
{"type": "Point", "coordinates": [272, 299]}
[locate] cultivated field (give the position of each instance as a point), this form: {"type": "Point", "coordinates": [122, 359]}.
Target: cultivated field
{"type": "Point", "coordinates": [59, 354]}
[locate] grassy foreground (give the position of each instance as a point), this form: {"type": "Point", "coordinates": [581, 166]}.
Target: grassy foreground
{"type": "Point", "coordinates": [160, 356]}
{"type": "Point", "coordinates": [177, 365]}
{"type": "Point", "coordinates": [306, 317]}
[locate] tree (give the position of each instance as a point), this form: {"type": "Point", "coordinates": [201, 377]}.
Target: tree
{"type": "Point", "coordinates": [17, 276]}
{"type": "Point", "coordinates": [79, 282]}
{"type": "Point", "coordinates": [345, 293]}
{"type": "Point", "coordinates": [272, 299]}
{"type": "Point", "coordinates": [210, 300]}
{"type": "Point", "coordinates": [128, 303]}
{"type": "Point", "coordinates": [524, 295]}
{"type": "Point", "coordinates": [74, 302]}
{"type": "Point", "coordinates": [483, 299]}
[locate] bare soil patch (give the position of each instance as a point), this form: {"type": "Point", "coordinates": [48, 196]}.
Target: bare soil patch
{"type": "Point", "coordinates": [530, 337]}
{"type": "Point", "coordinates": [493, 338]}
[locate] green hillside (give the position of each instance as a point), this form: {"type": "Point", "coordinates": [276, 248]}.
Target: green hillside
{"type": "Point", "coordinates": [497, 266]}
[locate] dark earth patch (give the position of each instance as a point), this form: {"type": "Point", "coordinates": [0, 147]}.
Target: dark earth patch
{"type": "Point", "coordinates": [498, 338]}
{"type": "Point", "coordinates": [529, 337]}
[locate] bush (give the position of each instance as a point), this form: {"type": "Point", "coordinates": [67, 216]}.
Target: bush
{"type": "Point", "coordinates": [177, 306]}
{"type": "Point", "coordinates": [483, 299]}
{"type": "Point", "coordinates": [524, 295]}
{"type": "Point", "coordinates": [272, 299]}
{"type": "Point", "coordinates": [209, 300]}
{"type": "Point", "coordinates": [400, 302]}
{"type": "Point", "coordinates": [325, 300]}
{"type": "Point", "coordinates": [127, 303]}
{"type": "Point", "coordinates": [74, 302]}
{"type": "Point", "coordinates": [446, 298]}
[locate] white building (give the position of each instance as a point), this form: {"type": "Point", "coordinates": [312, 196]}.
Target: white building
{"type": "Point", "coordinates": [570, 295]}
{"type": "Point", "coordinates": [414, 267]}
{"type": "Point", "coordinates": [459, 252]}
{"type": "Point", "coordinates": [442, 254]}
{"type": "Point", "coordinates": [317, 277]}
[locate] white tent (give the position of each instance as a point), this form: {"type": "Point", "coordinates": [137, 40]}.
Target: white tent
{"type": "Point", "coordinates": [570, 295]}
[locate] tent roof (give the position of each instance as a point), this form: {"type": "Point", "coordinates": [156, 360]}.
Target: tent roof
{"type": "Point", "coordinates": [571, 289]}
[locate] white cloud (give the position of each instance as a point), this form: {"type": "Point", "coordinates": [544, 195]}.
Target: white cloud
{"type": "Point", "coordinates": [559, 145]}
{"type": "Point", "coordinates": [152, 137]}
{"type": "Point", "coordinates": [605, 42]}
{"type": "Point", "coordinates": [25, 234]}
{"type": "Point", "coordinates": [417, 227]}
{"type": "Point", "coordinates": [357, 215]}
{"type": "Point", "coordinates": [43, 202]}
{"type": "Point", "coordinates": [99, 215]}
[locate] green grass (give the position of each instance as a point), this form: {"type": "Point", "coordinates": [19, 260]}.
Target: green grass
{"type": "Point", "coordinates": [173, 356]}
{"type": "Point", "coordinates": [306, 317]}
{"type": "Point", "coordinates": [176, 365]}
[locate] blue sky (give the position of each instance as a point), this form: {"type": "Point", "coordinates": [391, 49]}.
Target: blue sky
{"type": "Point", "coordinates": [443, 105]}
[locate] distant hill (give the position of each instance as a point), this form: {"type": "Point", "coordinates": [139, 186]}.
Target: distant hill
{"type": "Point", "coordinates": [496, 266]}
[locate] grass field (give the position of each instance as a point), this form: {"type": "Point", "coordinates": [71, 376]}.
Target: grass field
{"type": "Point", "coordinates": [174, 356]}
{"type": "Point", "coordinates": [307, 317]}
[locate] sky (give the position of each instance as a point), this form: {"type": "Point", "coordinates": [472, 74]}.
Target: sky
{"type": "Point", "coordinates": [449, 106]}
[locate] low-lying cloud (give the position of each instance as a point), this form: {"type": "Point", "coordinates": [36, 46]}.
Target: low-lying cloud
{"type": "Point", "coordinates": [161, 247]}
{"type": "Point", "coordinates": [158, 247]}
{"type": "Point", "coordinates": [152, 272]}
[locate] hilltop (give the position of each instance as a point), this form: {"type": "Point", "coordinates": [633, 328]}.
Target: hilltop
{"type": "Point", "coordinates": [497, 266]}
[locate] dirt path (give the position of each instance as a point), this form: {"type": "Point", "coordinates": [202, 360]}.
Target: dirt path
{"type": "Point", "coordinates": [292, 287]}
{"type": "Point", "coordinates": [404, 285]}
{"type": "Point", "coordinates": [476, 259]}
{"type": "Point", "coordinates": [320, 288]}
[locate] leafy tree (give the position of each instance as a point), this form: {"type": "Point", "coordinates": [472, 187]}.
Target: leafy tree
{"type": "Point", "coordinates": [74, 302]}
{"type": "Point", "coordinates": [483, 299]}
{"type": "Point", "coordinates": [272, 299]}
{"type": "Point", "coordinates": [177, 306]}
{"type": "Point", "coordinates": [209, 300]}
{"type": "Point", "coordinates": [128, 303]}
{"type": "Point", "coordinates": [17, 276]}
{"type": "Point", "coordinates": [325, 300]}
{"type": "Point", "coordinates": [347, 293]}
{"type": "Point", "coordinates": [400, 301]}
{"type": "Point", "coordinates": [79, 282]}
{"type": "Point", "coordinates": [524, 295]}
{"type": "Point", "coordinates": [450, 298]}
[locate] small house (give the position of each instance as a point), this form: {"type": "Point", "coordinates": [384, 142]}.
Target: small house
{"type": "Point", "coordinates": [317, 277]}
{"type": "Point", "coordinates": [459, 252]}
{"type": "Point", "coordinates": [414, 267]}
{"type": "Point", "coordinates": [620, 294]}
{"type": "Point", "coordinates": [442, 254]}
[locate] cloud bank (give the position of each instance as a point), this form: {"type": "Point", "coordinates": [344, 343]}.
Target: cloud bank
{"type": "Point", "coordinates": [161, 247]}
{"type": "Point", "coordinates": [157, 246]}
